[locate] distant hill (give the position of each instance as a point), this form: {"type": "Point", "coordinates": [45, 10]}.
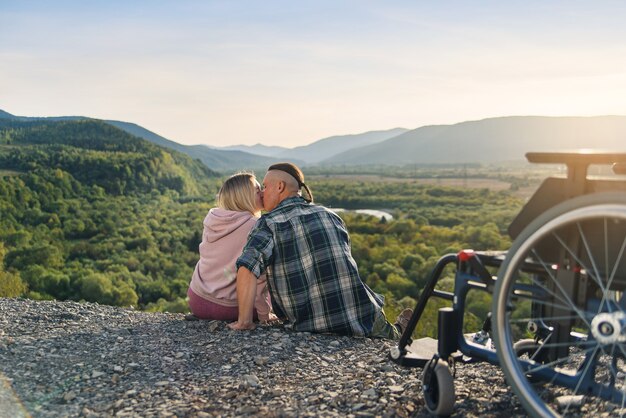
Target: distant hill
{"type": "Point", "coordinates": [96, 153]}
{"type": "Point", "coordinates": [258, 149]}
{"type": "Point", "coordinates": [215, 159]}
{"type": "Point", "coordinates": [142, 132]}
{"type": "Point", "coordinates": [6, 115]}
{"type": "Point", "coordinates": [320, 149]}
{"type": "Point", "coordinates": [328, 147]}
{"type": "Point", "coordinates": [491, 140]}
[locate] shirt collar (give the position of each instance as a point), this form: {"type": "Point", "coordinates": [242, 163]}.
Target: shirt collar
{"type": "Point", "coordinates": [289, 201]}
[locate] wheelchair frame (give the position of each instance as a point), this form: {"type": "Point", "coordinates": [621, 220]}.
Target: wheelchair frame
{"type": "Point", "coordinates": [574, 310]}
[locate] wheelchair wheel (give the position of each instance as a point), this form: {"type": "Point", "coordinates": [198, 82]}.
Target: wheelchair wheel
{"type": "Point", "coordinates": [438, 388]}
{"type": "Point", "coordinates": [562, 285]}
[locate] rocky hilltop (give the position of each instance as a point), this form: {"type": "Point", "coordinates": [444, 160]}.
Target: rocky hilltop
{"type": "Point", "coordinates": [71, 359]}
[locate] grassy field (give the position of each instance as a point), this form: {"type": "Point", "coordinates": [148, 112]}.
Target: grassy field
{"type": "Point", "coordinates": [492, 184]}
{"type": "Point", "coordinates": [471, 183]}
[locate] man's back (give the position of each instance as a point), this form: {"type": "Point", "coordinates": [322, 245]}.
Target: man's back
{"type": "Point", "coordinates": [313, 279]}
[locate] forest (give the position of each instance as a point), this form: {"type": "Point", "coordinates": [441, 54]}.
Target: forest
{"type": "Point", "coordinates": [90, 213]}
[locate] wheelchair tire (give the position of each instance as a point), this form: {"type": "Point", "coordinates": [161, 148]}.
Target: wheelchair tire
{"type": "Point", "coordinates": [589, 234]}
{"type": "Point", "coordinates": [438, 388]}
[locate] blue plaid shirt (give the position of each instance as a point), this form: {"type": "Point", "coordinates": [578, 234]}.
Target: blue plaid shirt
{"type": "Point", "coordinates": [312, 277]}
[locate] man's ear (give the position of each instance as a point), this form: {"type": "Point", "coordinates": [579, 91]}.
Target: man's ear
{"type": "Point", "coordinates": [281, 186]}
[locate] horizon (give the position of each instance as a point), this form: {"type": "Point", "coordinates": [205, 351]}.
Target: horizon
{"type": "Point", "coordinates": [283, 74]}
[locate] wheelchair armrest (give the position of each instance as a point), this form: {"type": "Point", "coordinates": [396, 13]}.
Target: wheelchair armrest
{"type": "Point", "coordinates": [619, 168]}
{"type": "Point", "coordinates": [580, 157]}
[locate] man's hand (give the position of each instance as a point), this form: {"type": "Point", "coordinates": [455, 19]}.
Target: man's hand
{"type": "Point", "coordinates": [241, 326]}
{"type": "Point", "coordinates": [269, 319]}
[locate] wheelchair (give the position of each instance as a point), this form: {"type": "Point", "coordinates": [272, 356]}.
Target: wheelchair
{"type": "Point", "coordinates": [557, 326]}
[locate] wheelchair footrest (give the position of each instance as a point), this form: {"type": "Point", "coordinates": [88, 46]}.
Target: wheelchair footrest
{"type": "Point", "coordinates": [423, 350]}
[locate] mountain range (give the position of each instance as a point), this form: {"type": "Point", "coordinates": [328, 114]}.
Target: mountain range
{"type": "Point", "coordinates": [258, 149]}
{"type": "Point", "coordinates": [492, 140]}
{"type": "Point", "coordinates": [322, 149]}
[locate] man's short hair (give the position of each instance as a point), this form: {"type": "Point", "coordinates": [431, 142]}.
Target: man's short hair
{"type": "Point", "coordinates": [297, 174]}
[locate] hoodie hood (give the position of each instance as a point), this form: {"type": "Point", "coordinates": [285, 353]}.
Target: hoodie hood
{"type": "Point", "coordinates": [221, 222]}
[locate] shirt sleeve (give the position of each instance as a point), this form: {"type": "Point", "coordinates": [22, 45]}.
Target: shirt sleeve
{"type": "Point", "coordinates": [258, 251]}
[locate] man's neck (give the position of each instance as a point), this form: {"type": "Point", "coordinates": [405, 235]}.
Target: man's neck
{"type": "Point", "coordinates": [289, 196]}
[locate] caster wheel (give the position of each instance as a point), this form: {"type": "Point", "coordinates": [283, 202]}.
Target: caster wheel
{"type": "Point", "coordinates": [526, 347]}
{"type": "Point", "coordinates": [438, 388]}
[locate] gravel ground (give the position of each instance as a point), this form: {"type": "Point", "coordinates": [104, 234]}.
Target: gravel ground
{"type": "Point", "coordinates": [71, 359]}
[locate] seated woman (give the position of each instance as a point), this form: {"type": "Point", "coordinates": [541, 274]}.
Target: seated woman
{"type": "Point", "coordinates": [212, 291]}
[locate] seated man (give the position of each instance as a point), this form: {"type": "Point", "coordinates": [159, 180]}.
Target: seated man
{"type": "Point", "coordinates": [312, 277]}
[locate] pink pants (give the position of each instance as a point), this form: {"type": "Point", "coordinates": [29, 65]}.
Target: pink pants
{"type": "Point", "coordinates": [205, 309]}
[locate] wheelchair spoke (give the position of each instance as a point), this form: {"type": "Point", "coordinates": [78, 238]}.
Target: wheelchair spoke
{"type": "Point", "coordinates": [567, 298]}
{"type": "Point", "coordinates": [605, 295]}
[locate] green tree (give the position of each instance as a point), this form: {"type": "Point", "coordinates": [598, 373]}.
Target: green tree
{"type": "Point", "coordinates": [97, 287]}
{"type": "Point", "coordinates": [124, 295]}
{"type": "Point", "coordinates": [11, 285]}
{"type": "Point", "coordinates": [400, 286]}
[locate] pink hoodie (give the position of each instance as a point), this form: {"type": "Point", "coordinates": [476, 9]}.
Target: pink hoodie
{"type": "Point", "coordinates": [214, 278]}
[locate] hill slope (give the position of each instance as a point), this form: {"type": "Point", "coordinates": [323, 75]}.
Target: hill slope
{"type": "Point", "coordinates": [328, 147]}
{"type": "Point", "coordinates": [217, 159]}
{"type": "Point", "coordinates": [96, 153]}
{"type": "Point", "coordinates": [491, 140]}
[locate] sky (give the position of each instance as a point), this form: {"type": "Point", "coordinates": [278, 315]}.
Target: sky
{"type": "Point", "coordinates": [288, 73]}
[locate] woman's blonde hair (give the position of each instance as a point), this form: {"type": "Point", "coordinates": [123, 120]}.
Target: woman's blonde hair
{"type": "Point", "coordinates": [238, 193]}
